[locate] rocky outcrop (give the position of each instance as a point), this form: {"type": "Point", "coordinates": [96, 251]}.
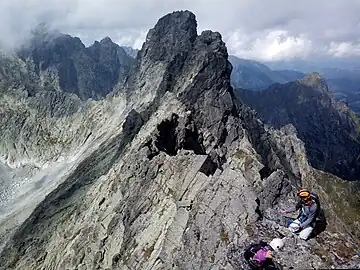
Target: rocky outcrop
{"type": "Point", "coordinates": [328, 128]}
{"type": "Point", "coordinates": [176, 174]}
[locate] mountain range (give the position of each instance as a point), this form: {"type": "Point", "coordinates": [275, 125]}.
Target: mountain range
{"type": "Point", "coordinates": [56, 61]}
{"type": "Point", "coordinates": [156, 162]}
{"type": "Point", "coordinates": [329, 129]}
{"type": "Point", "coordinates": [343, 80]}
{"type": "Point", "coordinates": [253, 75]}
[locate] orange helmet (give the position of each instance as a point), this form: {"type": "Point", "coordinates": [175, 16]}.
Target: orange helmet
{"type": "Point", "coordinates": [303, 193]}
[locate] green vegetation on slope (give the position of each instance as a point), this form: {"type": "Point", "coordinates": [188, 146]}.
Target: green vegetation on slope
{"type": "Point", "coordinates": [343, 198]}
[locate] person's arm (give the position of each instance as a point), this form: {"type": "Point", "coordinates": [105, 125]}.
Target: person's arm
{"type": "Point", "coordinates": [310, 217]}
{"type": "Point", "coordinates": [292, 209]}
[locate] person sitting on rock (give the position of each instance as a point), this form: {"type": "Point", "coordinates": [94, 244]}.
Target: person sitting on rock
{"type": "Point", "coordinates": [309, 207]}
{"type": "Point", "coordinates": [260, 255]}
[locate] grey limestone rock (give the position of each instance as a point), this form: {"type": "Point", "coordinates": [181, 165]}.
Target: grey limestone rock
{"type": "Point", "coordinates": [176, 172]}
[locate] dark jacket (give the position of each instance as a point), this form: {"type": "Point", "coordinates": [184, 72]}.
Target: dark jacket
{"type": "Point", "coordinates": [307, 214]}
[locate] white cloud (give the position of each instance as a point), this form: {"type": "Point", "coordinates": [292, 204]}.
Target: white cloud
{"type": "Point", "coordinates": [344, 49]}
{"type": "Point", "coordinates": [268, 46]}
{"type": "Point", "coordinates": [140, 40]}
{"type": "Point", "coordinates": [269, 29]}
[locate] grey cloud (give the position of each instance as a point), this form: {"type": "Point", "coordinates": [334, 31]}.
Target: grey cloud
{"type": "Point", "coordinates": [320, 21]}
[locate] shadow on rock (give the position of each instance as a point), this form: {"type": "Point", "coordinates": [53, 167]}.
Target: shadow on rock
{"type": "Point", "coordinates": [320, 226]}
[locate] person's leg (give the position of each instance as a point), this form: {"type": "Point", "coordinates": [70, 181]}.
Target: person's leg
{"type": "Point", "coordinates": [294, 226]}
{"type": "Point", "coordinates": [305, 233]}
{"type": "Point", "coordinates": [269, 265]}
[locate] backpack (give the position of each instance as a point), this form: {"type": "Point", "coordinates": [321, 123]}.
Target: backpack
{"type": "Point", "coordinates": [250, 252]}
{"type": "Point", "coordinates": [320, 214]}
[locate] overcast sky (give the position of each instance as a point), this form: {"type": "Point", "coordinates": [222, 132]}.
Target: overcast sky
{"type": "Point", "coordinates": [258, 29]}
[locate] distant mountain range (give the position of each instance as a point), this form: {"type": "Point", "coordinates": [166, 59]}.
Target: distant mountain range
{"type": "Point", "coordinates": [343, 81]}
{"type": "Point", "coordinates": [253, 75]}
{"type": "Point", "coordinates": [56, 61]}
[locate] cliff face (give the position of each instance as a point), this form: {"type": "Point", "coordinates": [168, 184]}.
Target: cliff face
{"type": "Point", "coordinates": [328, 128]}
{"type": "Point", "coordinates": [171, 171]}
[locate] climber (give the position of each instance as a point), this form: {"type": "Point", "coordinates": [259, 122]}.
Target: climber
{"type": "Point", "coordinates": [260, 255]}
{"type": "Point", "coordinates": [309, 209]}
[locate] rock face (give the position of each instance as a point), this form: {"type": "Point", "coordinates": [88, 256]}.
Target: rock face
{"type": "Point", "coordinates": [328, 128]}
{"type": "Point", "coordinates": [61, 62]}
{"type": "Point", "coordinates": [176, 174]}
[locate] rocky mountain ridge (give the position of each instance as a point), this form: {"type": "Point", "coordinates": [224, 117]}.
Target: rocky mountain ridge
{"type": "Point", "coordinates": [45, 84]}
{"type": "Point", "coordinates": [171, 171]}
{"type": "Point", "coordinates": [328, 128]}
{"type": "Point", "coordinates": [253, 75]}
{"type": "Point", "coordinates": [60, 62]}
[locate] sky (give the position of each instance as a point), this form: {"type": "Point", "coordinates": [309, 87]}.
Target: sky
{"type": "Point", "coordinates": [268, 30]}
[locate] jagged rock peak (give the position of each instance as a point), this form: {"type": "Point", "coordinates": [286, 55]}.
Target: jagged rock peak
{"type": "Point", "coordinates": [313, 77]}
{"type": "Point", "coordinates": [173, 32]}
{"type": "Point", "coordinates": [172, 48]}
{"type": "Point", "coordinates": [175, 59]}
{"type": "Point", "coordinates": [106, 40]}
{"type": "Point", "coordinates": [316, 81]}
{"type": "Point", "coordinates": [44, 31]}
{"type": "Point", "coordinates": [179, 24]}
{"type": "Point", "coordinates": [176, 33]}
{"type": "Point", "coordinates": [214, 40]}
{"type": "Point", "coordinates": [43, 34]}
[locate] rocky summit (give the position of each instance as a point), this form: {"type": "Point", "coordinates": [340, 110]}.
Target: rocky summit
{"type": "Point", "coordinates": [170, 171]}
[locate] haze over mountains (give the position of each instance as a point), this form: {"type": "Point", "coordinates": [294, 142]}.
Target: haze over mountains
{"type": "Point", "coordinates": [111, 162]}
